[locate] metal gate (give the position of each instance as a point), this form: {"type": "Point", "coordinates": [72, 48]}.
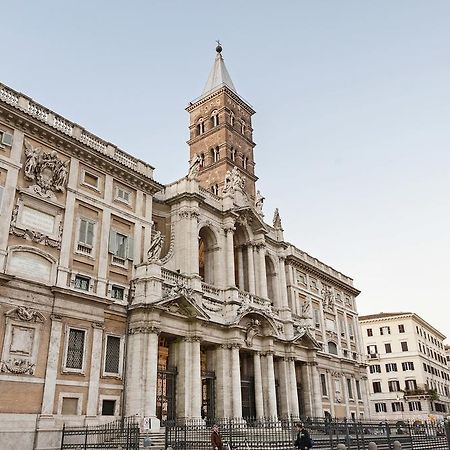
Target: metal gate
{"type": "Point", "coordinates": [165, 394]}
{"type": "Point", "coordinates": [208, 396]}
{"type": "Point", "coordinates": [248, 397]}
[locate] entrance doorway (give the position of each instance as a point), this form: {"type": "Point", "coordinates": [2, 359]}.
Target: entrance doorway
{"type": "Point", "coordinates": [165, 394]}
{"type": "Point", "coordinates": [248, 397]}
{"type": "Point", "coordinates": [208, 396]}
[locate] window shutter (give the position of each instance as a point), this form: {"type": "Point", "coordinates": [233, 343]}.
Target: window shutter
{"type": "Point", "coordinates": [82, 232]}
{"type": "Point", "coordinates": [112, 242]}
{"type": "Point", "coordinates": [90, 233]}
{"type": "Point", "coordinates": [130, 248]}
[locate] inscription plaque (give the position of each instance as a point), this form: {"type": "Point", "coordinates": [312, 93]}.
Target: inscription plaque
{"type": "Point", "coordinates": [30, 265]}
{"type": "Point", "coordinates": [37, 220]}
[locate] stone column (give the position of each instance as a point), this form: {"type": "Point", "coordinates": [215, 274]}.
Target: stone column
{"type": "Point", "coordinates": [184, 390]}
{"type": "Point", "coordinates": [271, 391]}
{"type": "Point", "coordinates": [240, 257]}
{"type": "Point", "coordinates": [262, 291]}
{"type": "Point", "coordinates": [331, 393]}
{"type": "Point", "coordinates": [196, 380]}
{"type": "Point", "coordinates": [48, 399]}
{"type": "Point", "coordinates": [230, 256]}
{"type": "Point", "coordinates": [251, 269]}
{"type": "Point", "coordinates": [316, 390]}
{"type": "Point", "coordinates": [133, 388]}
{"type": "Point", "coordinates": [223, 382]}
{"type": "Point", "coordinates": [236, 381]}
{"type": "Point", "coordinates": [94, 373]}
{"type": "Point", "coordinates": [150, 354]}
{"type": "Point", "coordinates": [345, 395]}
{"type": "Point", "coordinates": [103, 255]}
{"type": "Point", "coordinates": [259, 400]}
{"type": "Point", "coordinates": [365, 396]}
{"type": "Point", "coordinates": [285, 387]}
{"type": "Point", "coordinates": [193, 266]}
{"type": "Point", "coordinates": [282, 284]}
{"type": "Point", "coordinates": [307, 390]}
{"type": "Point", "coordinates": [355, 396]}
{"type": "Point", "coordinates": [294, 410]}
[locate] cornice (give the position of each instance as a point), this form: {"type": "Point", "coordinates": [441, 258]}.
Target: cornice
{"type": "Point", "coordinates": [321, 275]}
{"type": "Point", "coordinates": [79, 295]}
{"type": "Point", "coordinates": [70, 145]}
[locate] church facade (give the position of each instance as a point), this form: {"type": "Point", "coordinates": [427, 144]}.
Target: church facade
{"type": "Point", "coordinates": [123, 297]}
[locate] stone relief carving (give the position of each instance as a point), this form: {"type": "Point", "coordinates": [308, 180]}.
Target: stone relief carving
{"type": "Point", "coordinates": [181, 289]}
{"type": "Point", "coordinates": [170, 252]}
{"type": "Point", "coordinates": [253, 328]}
{"type": "Point", "coordinates": [45, 168]}
{"type": "Point", "coordinates": [194, 167]}
{"type": "Point", "coordinates": [233, 181]}
{"type": "Point", "coordinates": [328, 298]}
{"type": "Point", "coordinates": [26, 314]}
{"type": "Point", "coordinates": [259, 200]}
{"type": "Point", "coordinates": [18, 366]}
{"type": "Point", "coordinates": [154, 252]}
{"type": "Point", "coordinates": [277, 220]}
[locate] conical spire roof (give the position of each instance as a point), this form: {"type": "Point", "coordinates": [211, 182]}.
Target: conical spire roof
{"type": "Point", "coordinates": [219, 76]}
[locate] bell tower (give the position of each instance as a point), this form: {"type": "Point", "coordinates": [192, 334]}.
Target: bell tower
{"type": "Point", "coordinates": [221, 134]}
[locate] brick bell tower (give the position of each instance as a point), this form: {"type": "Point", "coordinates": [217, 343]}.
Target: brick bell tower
{"type": "Point", "coordinates": [221, 133]}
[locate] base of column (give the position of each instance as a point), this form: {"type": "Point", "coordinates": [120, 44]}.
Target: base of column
{"type": "Point", "coordinates": [150, 423]}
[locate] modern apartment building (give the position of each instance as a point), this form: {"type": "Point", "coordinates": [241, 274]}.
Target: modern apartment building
{"type": "Point", "coordinates": [407, 367]}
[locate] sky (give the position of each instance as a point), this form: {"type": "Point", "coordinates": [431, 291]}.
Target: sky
{"type": "Point", "coordinates": [352, 124]}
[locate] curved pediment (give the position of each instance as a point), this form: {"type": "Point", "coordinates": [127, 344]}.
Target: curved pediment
{"type": "Point", "coordinates": [303, 336]}
{"type": "Point", "coordinates": [257, 324]}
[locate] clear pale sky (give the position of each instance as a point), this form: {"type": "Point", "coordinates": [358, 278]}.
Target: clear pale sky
{"type": "Point", "coordinates": [352, 123]}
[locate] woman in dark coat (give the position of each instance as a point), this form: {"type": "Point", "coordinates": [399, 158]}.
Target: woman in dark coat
{"type": "Point", "coordinates": [303, 440]}
{"type": "Point", "coordinates": [216, 438]}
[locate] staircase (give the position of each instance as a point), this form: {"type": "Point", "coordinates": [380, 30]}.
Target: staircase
{"type": "Point", "coordinates": [157, 439]}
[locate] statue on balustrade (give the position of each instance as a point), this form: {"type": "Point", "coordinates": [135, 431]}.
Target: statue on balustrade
{"type": "Point", "coordinates": [154, 252]}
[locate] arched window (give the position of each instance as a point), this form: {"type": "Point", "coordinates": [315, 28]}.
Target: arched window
{"type": "Point", "coordinates": [233, 154]}
{"type": "Point", "coordinates": [215, 189]}
{"type": "Point", "coordinates": [332, 348]}
{"type": "Point", "coordinates": [242, 127]}
{"type": "Point", "coordinates": [271, 280]}
{"type": "Point", "coordinates": [244, 162]}
{"type": "Point", "coordinates": [200, 127]}
{"type": "Point", "coordinates": [232, 119]}
{"type": "Point", "coordinates": [207, 247]}
{"type": "Point", "coordinates": [202, 160]}
{"type": "Point", "coordinates": [215, 119]}
{"type": "Point", "coordinates": [215, 153]}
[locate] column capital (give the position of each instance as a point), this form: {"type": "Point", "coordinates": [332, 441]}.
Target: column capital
{"type": "Point", "coordinates": [151, 329]}
{"type": "Point", "coordinates": [56, 317]}
{"type": "Point", "coordinates": [229, 229]}
{"type": "Point", "coordinates": [236, 345]}
{"type": "Point", "coordinates": [268, 353]}
{"type": "Point", "coordinates": [97, 325]}
{"type": "Point", "coordinates": [192, 339]}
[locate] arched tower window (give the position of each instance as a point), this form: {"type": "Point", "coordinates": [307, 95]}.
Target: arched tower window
{"type": "Point", "coordinates": [200, 127]}
{"type": "Point", "coordinates": [244, 162]}
{"type": "Point", "coordinates": [206, 250]}
{"type": "Point", "coordinates": [215, 119]}
{"type": "Point", "coordinates": [242, 127]}
{"type": "Point", "coordinates": [332, 348]}
{"type": "Point", "coordinates": [232, 119]}
{"type": "Point", "coordinates": [240, 239]}
{"type": "Point", "coordinates": [202, 160]}
{"type": "Point", "coordinates": [233, 154]}
{"type": "Point", "coordinates": [215, 152]}
{"type": "Point", "coordinates": [215, 189]}
{"type": "Point", "coordinates": [271, 280]}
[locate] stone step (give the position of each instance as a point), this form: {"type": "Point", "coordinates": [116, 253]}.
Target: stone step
{"type": "Point", "coordinates": [157, 439]}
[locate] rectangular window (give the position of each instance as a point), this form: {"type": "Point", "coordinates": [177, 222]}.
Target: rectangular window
{"type": "Point", "coordinates": [415, 406]}
{"type": "Point", "coordinates": [369, 332]}
{"type": "Point", "coordinates": [380, 407]}
{"type": "Point", "coordinates": [358, 389]}
{"type": "Point", "coordinates": [391, 367]}
{"type": "Point", "coordinates": [375, 368]}
{"type": "Point", "coordinates": [82, 283]}
{"type": "Point", "coordinates": [372, 350]}
{"type": "Point", "coordinates": [342, 326]}
{"type": "Point", "coordinates": [317, 318]}
{"type": "Point", "coordinates": [397, 407]}
{"type": "Point", "coordinates": [349, 388]}
{"type": "Point", "coordinates": [117, 292]}
{"type": "Point", "coordinates": [401, 328]}
{"type": "Point", "coordinates": [408, 365]}
{"type": "Point", "coordinates": [394, 386]}
{"type": "Point", "coordinates": [323, 381]}
{"type": "Point", "coordinates": [123, 195]}
{"type": "Point", "coordinates": [388, 348]}
{"type": "Point", "coordinates": [69, 406]}
{"type": "Point", "coordinates": [351, 328]}
{"type": "Point", "coordinates": [376, 387]}
{"type": "Point", "coordinates": [385, 331]}
{"type": "Point", "coordinates": [108, 407]}
{"type": "Point", "coordinates": [404, 346]}
{"type": "Point", "coordinates": [410, 385]}
{"type": "Point", "coordinates": [75, 349]}
{"type": "Point", "coordinates": [85, 236]}
{"type": "Point", "coordinates": [112, 355]}
{"type": "Point", "coordinates": [5, 139]}
{"type": "Point", "coordinates": [90, 180]}
{"type": "Point", "coordinates": [120, 245]}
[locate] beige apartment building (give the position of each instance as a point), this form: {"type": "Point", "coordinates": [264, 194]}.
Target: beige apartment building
{"type": "Point", "coordinates": [407, 367]}
{"type": "Point", "coordinates": [123, 297]}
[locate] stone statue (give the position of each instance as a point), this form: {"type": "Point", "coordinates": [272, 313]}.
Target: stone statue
{"type": "Point", "coordinates": [277, 220]}
{"type": "Point", "coordinates": [328, 298]}
{"type": "Point", "coordinates": [31, 162]}
{"type": "Point", "coordinates": [61, 176]}
{"type": "Point", "coordinates": [259, 200]}
{"type": "Point", "coordinates": [194, 167]}
{"type": "Point", "coordinates": [306, 309]}
{"type": "Point", "coordinates": [154, 252]}
{"type": "Point", "coordinates": [233, 181]}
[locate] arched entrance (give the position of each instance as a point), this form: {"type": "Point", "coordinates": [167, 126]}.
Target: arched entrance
{"type": "Point", "coordinates": [207, 245]}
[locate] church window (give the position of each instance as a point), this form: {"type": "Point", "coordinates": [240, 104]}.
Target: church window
{"type": "Point", "coordinates": [242, 127]}
{"type": "Point", "coordinates": [75, 349]}
{"type": "Point", "coordinates": [332, 348]}
{"type": "Point", "coordinates": [91, 180]}
{"type": "Point", "coordinates": [121, 246]}
{"type": "Point", "coordinates": [215, 189]}
{"type": "Point", "coordinates": [323, 382]}
{"type": "Point", "coordinates": [380, 407]}
{"type": "Point", "coordinates": [244, 162]}
{"type": "Point", "coordinates": [108, 407]}
{"type": "Point", "coordinates": [215, 154]}
{"type": "Point", "coordinates": [215, 119]}
{"type": "Point", "coordinates": [117, 292]}
{"type": "Point", "coordinates": [232, 119]}
{"type": "Point", "coordinates": [112, 355]}
{"type": "Point", "coordinates": [200, 127]}
{"type": "Point", "coordinates": [123, 195]}
{"type": "Point", "coordinates": [82, 283]}
{"type": "Point", "coordinates": [233, 154]}
{"type": "Point", "coordinates": [85, 236]}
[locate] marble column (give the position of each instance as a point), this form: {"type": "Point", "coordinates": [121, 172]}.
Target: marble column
{"type": "Point", "coordinates": [316, 390]}
{"type": "Point", "coordinates": [346, 396]}
{"type": "Point", "coordinates": [240, 257]}
{"type": "Point", "coordinates": [294, 407]}
{"type": "Point", "coordinates": [282, 284]}
{"type": "Point", "coordinates": [331, 393]}
{"type": "Point", "coordinates": [236, 381]}
{"type": "Point", "coordinates": [230, 256]}
{"type": "Point", "coordinates": [222, 370]}
{"type": "Point", "coordinates": [196, 379]}
{"type": "Point", "coordinates": [271, 390]}
{"type": "Point", "coordinates": [94, 373]}
{"type": "Point", "coordinates": [133, 387]}
{"type": "Point", "coordinates": [48, 399]}
{"type": "Point", "coordinates": [365, 397]}
{"type": "Point", "coordinates": [184, 391]}
{"type": "Point", "coordinates": [285, 387]}
{"type": "Point", "coordinates": [262, 291]}
{"type": "Point", "coordinates": [151, 373]}
{"type": "Point", "coordinates": [251, 269]}
{"type": "Point", "coordinates": [259, 399]}
{"type": "Point", "coordinates": [193, 260]}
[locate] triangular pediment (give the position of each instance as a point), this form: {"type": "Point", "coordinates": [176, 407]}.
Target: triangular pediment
{"type": "Point", "coordinates": [183, 305]}
{"type": "Point", "coordinates": [304, 337]}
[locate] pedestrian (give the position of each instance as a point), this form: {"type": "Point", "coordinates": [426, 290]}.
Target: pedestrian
{"type": "Point", "coordinates": [216, 438]}
{"type": "Point", "coordinates": [303, 441]}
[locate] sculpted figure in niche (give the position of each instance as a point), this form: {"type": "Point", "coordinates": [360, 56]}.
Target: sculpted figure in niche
{"type": "Point", "coordinates": [32, 155]}
{"type": "Point", "coordinates": [154, 252]}
{"type": "Point", "coordinates": [306, 309]}
{"type": "Point", "coordinates": [194, 167]}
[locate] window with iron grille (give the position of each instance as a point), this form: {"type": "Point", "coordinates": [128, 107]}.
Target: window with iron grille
{"type": "Point", "coordinates": [75, 349]}
{"type": "Point", "coordinates": [82, 283]}
{"type": "Point", "coordinates": [112, 354]}
{"type": "Point", "coordinates": [117, 292]}
{"type": "Point", "coordinates": [108, 407]}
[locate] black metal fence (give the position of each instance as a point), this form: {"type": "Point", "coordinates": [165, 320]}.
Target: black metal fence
{"type": "Point", "coordinates": [122, 433]}
{"type": "Point", "coordinates": [280, 434]}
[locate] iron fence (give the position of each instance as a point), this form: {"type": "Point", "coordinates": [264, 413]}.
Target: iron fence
{"type": "Point", "coordinates": [122, 433]}
{"type": "Point", "coordinates": [280, 434]}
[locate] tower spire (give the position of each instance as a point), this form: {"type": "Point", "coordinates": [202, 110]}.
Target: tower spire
{"type": "Point", "coordinates": [218, 76]}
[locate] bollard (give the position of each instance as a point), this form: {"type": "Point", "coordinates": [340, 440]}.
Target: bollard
{"type": "Point", "coordinates": [341, 447]}
{"type": "Point", "coordinates": [372, 446]}
{"type": "Point", "coordinates": [397, 445]}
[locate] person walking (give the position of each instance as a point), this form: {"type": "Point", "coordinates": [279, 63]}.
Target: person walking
{"type": "Point", "coordinates": [216, 438]}
{"type": "Point", "coordinates": [303, 441]}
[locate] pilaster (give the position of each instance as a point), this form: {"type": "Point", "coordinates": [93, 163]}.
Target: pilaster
{"type": "Point", "coordinates": [94, 373]}
{"type": "Point", "coordinates": [236, 381]}
{"type": "Point", "coordinates": [259, 399]}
